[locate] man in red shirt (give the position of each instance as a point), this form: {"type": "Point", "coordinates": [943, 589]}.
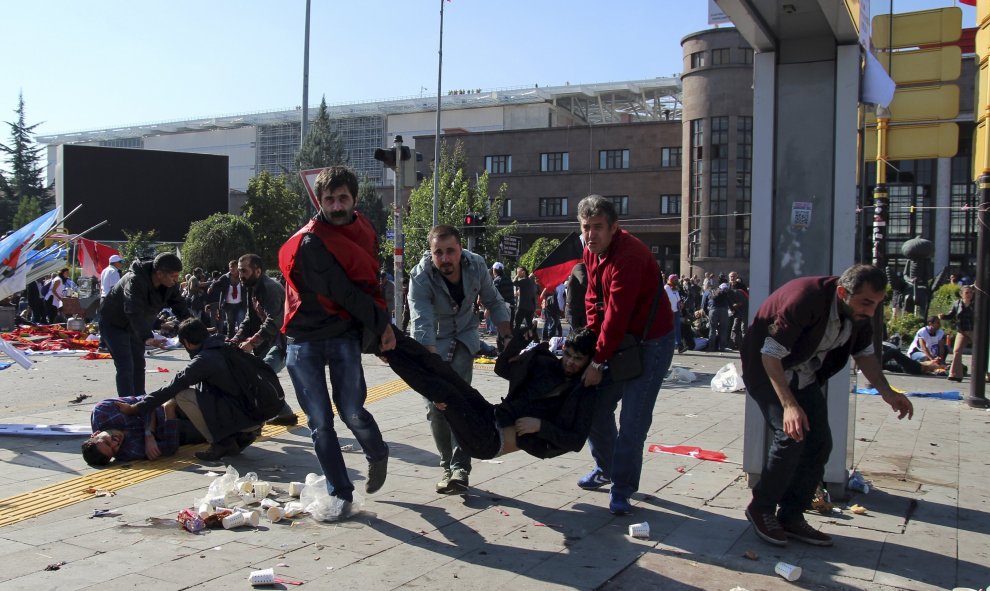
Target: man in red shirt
{"type": "Point", "coordinates": [624, 293]}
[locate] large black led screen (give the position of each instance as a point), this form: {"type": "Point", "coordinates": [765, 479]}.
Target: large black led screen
{"type": "Point", "coordinates": [140, 190]}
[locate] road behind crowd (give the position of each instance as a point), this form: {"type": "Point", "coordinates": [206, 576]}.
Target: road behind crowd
{"type": "Point", "coordinates": [523, 525]}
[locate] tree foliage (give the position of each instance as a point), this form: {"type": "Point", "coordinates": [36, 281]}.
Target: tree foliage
{"type": "Point", "coordinates": [26, 169]}
{"type": "Point", "coordinates": [28, 209]}
{"type": "Point", "coordinates": [212, 242]}
{"type": "Point", "coordinates": [460, 192]}
{"type": "Point", "coordinates": [321, 148]}
{"type": "Point", "coordinates": [274, 213]}
{"type": "Point", "coordinates": [538, 252]}
{"type": "Point", "coordinates": [370, 204]}
{"type": "Point", "coordinates": [139, 245]}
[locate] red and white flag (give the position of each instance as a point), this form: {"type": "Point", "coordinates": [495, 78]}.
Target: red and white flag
{"type": "Point", "coordinates": [93, 257]}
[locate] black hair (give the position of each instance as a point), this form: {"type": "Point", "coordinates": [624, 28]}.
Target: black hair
{"type": "Point", "coordinates": [167, 262]}
{"type": "Point", "coordinates": [254, 260]}
{"type": "Point", "coordinates": [855, 277]}
{"type": "Point", "coordinates": [336, 176]}
{"type": "Point", "coordinates": [582, 341]}
{"type": "Point", "coordinates": [193, 330]}
{"type": "Point", "coordinates": [93, 456]}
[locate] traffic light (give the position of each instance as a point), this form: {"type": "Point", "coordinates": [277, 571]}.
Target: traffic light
{"type": "Point", "coordinates": [387, 155]}
{"type": "Point", "coordinates": [474, 220]}
{"type": "Point", "coordinates": [410, 177]}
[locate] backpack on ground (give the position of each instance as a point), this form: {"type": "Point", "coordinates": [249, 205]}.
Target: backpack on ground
{"type": "Point", "coordinates": [261, 391]}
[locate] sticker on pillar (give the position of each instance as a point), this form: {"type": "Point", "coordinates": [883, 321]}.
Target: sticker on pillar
{"type": "Point", "coordinates": [801, 214]}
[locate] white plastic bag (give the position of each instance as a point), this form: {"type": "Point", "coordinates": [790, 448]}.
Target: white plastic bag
{"type": "Point", "coordinates": [323, 507]}
{"type": "Point", "coordinates": [681, 375]}
{"type": "Point", "coordinates": [224, 484]}
{"type": "Point", "coordinates": [727, 379]}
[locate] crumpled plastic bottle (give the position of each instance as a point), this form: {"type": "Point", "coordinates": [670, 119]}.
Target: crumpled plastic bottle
{"type": "Point", "coordinates": [858, 483]}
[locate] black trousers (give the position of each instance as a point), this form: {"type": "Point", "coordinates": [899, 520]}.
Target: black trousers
{"type": "Point", "coordinates": [793, 469]}
{"type": "Point", "coordinates": [470, 416]}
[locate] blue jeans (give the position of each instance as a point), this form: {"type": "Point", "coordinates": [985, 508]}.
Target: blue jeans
{"type": "Point", "coordinates": [919, 356]}
{"type": "Point", "coordinates": [619, 453]}
{"type": "Point", "coordinates": [307, 363]}
{"type": "Point", "coordinates": [127, 350]}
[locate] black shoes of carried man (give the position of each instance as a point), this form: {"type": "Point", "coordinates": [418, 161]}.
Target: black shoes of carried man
{"type": "Point", "coordinates": [377, 471]}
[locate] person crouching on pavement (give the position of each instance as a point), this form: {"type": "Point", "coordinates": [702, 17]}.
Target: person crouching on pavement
{"type": "Point", "coordinates": [207, 392]}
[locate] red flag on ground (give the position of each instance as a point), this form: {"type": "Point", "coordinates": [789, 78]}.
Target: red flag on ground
{"type": "Point", "coordinates": [93, 257]}
{"type": "Point", "coordinates": [555, 269]}
{"type": "Point", "coordinates": [688, 450]}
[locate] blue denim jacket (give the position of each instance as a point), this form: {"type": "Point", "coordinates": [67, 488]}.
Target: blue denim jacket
{"type": "Point", "coordinates": [436, 320]}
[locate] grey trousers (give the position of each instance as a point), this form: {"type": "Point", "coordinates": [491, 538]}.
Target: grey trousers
{"type": "Point", "coordinates": [452, 457]}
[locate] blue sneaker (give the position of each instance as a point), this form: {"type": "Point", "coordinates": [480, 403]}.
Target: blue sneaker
{"type": "Point", "coordinates": [618, 505]}
{"type": "Point", "coordinates": [593, 480]}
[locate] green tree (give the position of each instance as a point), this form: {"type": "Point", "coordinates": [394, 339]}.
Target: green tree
{"type": "Point", "coordinates": [139, 245]}
{"type": "Point", "coordinates": [274, 213]}
{"type": "Point", "coordinates": [321, 148]}
{"type": "Point", "coordinates": [370, 204]}
{"type": "Point", "coordinates": [212, 242]}
{"type": "Point", "coordinates": [28, 209]}
{"type": "Point", "coordinates": [460, 191]}
{"type": "Point", "coordinates": [538, 252]}
{"type": "Point", "coordinates": [24, 162]}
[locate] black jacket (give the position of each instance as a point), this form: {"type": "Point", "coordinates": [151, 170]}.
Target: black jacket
{"type": "Point", "coordinates": [538, 388]}
{"type": "Point", "coordinates": [135, 303]}
{"type": "Point", "coordinates": [265, 315]}
{"type": "Point", "coordinates": [218, 395]}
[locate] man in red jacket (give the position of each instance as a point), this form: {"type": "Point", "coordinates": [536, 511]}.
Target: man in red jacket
{"type": "Point", "coordinates": [334, 312]}
{"type": "Point", "coordinates": [624, 292]}
{"type": "Point", "coordinates": [802, 335]}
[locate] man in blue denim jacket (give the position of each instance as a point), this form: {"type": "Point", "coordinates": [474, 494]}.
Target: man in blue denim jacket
{"type": "Point", "coordinates": [443, 289]}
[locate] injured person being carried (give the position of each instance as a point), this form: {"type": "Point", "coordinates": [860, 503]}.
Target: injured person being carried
{"type": "Point", "coordinates": [547, 412]}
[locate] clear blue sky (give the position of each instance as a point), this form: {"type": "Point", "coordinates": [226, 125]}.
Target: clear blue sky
{"type": "Point", "coordinates": [88, 65]}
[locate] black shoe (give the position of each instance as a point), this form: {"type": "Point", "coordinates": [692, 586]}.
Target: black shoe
{"type": "Point", "coordinates": [802, 530]}
{"type": "Point", "coordinates": [377, 471]}
{"type": "Point", "coordinates": [767, 527]}
{"type": "Point", "coordinates": [287, 420]}
{"type": "Point", "coordinates": [219, 449]}
{"type": "Point", "coordinates": [245, 439]}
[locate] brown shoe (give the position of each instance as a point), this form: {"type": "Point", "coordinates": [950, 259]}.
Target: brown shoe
{"type": "Point", "coordinates": [802, 530]}
{"type": "Point", "coordinates": [767, 527]}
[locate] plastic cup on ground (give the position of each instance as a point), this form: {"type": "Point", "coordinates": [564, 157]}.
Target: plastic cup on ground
{"type": "Point", "coordinates": [219, 501]}
{"type": "Point", "coordinates": [294, 508]}
{"type": "Point", "coordinates": [269, 503]}
{"type": "Point", "coordinates": [312, 477]}
{"type": "Point", "coordinates": [252, 518]}
{"type": "Point", "coordinates": [295, 488]}
{"type": "Point", "coordinates": [235, 519]}
{"type": "Point", "coordinates": [276, 514]}
{"type": "Point", "coordinates": [246, 486]}
{"type": "Point", "coordinates": [261, 489]}
{"type": "Point", "coordinates": [788, 571]}
{"type": "Point", "coordinates": [205, 509]}
{"type": "Point", "coordinates": [639, 530]}
{"type": "Point", "coordinates": [263, 577]}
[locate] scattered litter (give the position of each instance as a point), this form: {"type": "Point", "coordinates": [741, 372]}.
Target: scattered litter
{"type": "Point", "coordinates": [56, 565]}
{"type": "Point", "coordinates": [681, 375]}
{"type": "Point", "coordinates": [750, 555]}
{"type": "Point", "coordinates": [491, 461]}
{"type": "Point", "coordinates": [858, 483]}
{"type": "Point", "coordinates": [281, 565]}
{"type": "Point", "coordinates": [79, 398]}
{"type": "Point", "coordinates": [790, 572]}
{"type": "Point", "coordinates": [158, 370]}
{"type": "Point", "coordinates": [727, 379]}
{"type": "Point", "coordinates": [687, 450]}
{"type": "Point", "coordinates": [539, 524]}
{"type": "Point", "coordinates": [347, 447]}
{"type": "Point", "coordinates": [639, 530]}
{"type": "Point", "coordinates": [822, 501]}
{"type": "Point", "coordinates": [99, 492]}
{"type": "Point", "coordinates": [191, 521]}
{"type": "Point", "coordinates": [864, 439]}
{"type": "Point", "coordinates": [211, 474]}
{"type": "Point", "coordinates": [858, 509]}
{"type": "Point", "coordinates": [680, 469]}
{"type": "Point", "coordinates": [92, 356]}
{"type": "Point", "coordinates": [947, 395]}
{"type": "Point", "coordinates": [933, 444]}
{"type": "Point", "coordinates": [739, 589]}
{"type": "Point", "coordinates": [502, 512]}
{"type": "Point", "coordinates": [104, 513]}
{"type": "Point", "coordinates": [691, 416]}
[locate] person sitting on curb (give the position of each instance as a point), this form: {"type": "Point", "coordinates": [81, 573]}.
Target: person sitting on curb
{"type": "Point", "coordinates": [121, 437]}
{"type": "Point", "coordinates": [208, 393]}
{"type": "Point", "coordinates": [929, 342]}
{"type": "Point", "coordinates": [547, 412]}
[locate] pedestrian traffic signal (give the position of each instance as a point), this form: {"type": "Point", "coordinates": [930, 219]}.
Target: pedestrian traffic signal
{"type": "Point", "coordinates": [470, 220]}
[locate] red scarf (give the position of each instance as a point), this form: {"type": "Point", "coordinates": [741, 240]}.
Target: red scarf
{"type": "Point", "coordinates": [355, 246]}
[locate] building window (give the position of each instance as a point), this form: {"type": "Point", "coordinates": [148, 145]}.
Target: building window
{"type": "Point", "coordinates": [747, 55]}
{"type": "Point", "coordinates": [554, 162]}
{"type": "Point", "coordinates": [744, 184]}
{"type": "Point", "coordinates": [697, 181]}
{"type": "Point", "coordinates": [670, 205]}
{"type": "Point", "coordinates": [505, 211]}
{"type": "Point", "coordinates": [718, 187]}
{"type": "Point", "coordinates": [621, 203]}
{"type": "Point", "coordinates": [609, 159]}
{"type": "Point", "coordinates": [720, 56]}
{"type": "Point", "coordinates": [670, 157]}
{"type": "Point", "coordinates": [501, 164]}
{"type": "Point", "coordinates": [698, 59]}
{"type": "Point", "coordinates": [553, 207]}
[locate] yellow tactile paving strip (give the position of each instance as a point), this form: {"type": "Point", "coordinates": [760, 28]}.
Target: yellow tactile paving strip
{"type": "Point", "coordinates": [74, 490]}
